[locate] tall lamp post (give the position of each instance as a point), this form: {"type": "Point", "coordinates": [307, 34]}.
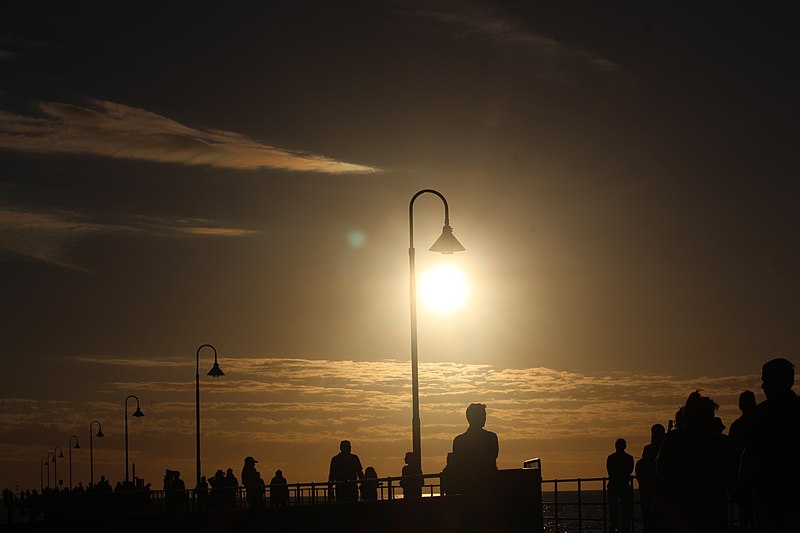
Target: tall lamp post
{"type": "Point", "coordinates": [445, 244]}
{"type": "Point", "coordinates": [55, 465]}
{"type": "Point", "coordinates": [91, 447]}
{"type": "Point", "coordinates": [216, 372]}
{"type": "Point", "coordinates": [70, 457]}
{"type": "Point", "coordinates": [137, 414]}
{"type": "Point", "coordinates": [42, 463]}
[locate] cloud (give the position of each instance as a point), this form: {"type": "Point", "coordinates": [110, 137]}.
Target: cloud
{"type": "Point", "coordinates": [294, 411]}
{"type": "Point", "coordinates": [45, 234]}
{"type": "Point", "coordinates": [492, 23]}
{"type": "Point", "coordinates": [116, 130]}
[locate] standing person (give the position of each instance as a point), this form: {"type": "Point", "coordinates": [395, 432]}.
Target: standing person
{"type": "Point", "coordinates": [369, 487]}
{"type": "Point", "coordinates": [696, 468]}
{"type": "Point", "coordinates": [201, 494]}
{"type": "Point", "coordinates": [646, 476]}
{"type": "Point", "coordinates": [344, 472]}
{"type": "Point", "coordinates": [741, 436]}
{"type": "Point", "coordinates": [278, 490]}
{"type": "Point", "coordinates": [412, 479]}
{"type": "Point", "coordinates": [231, 488]}
{"type": "Point", "coordinates": [250, 478]}
{"type": "Point", "coordinates": [620, 489]}
{"type": "Point", "coordinates": [473, 465]}
{"type": "Point", "coordinates": [774, 464]}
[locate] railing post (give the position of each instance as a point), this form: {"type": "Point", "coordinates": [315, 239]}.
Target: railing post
{"type": "Point", "coordinates": [580, 505]}
{"type": "Point", "coordinates": [555, 501]}
{"type": "Point", "coordinates": [605, 508]}
{"type": "Point", "coordinates": [389, 488]}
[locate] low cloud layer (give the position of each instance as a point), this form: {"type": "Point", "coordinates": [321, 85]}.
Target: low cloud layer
{"type": "Point", "coordinates": [116, 130]}
{"type": "Point", "coordinates": [294, 411]}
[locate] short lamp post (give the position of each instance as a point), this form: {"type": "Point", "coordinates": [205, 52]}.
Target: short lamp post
{"type": "Point", "coordinates": [55, 465]}
{"type": "Point", "coordinates": [216, 372]}
{"type": "Point", "coordinates": [77, 446]}
{"type": "Point", "coordinates": [47, 464]}
{"type": "Point", "coordinates": [445, 244]}
{"type": "Point", "coordinates": [138, 413]}
{"type": "Point", "coordinates": [91, 447]}
{"type": "Point", "coordinates": [42, 463]}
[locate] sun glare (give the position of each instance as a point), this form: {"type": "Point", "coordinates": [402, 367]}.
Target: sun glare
{"type": "Point", "coordinates": [444, 288]}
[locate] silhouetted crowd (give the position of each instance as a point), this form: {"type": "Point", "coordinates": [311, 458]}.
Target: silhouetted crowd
{"type": "Point", "coordinates": [690, 471]}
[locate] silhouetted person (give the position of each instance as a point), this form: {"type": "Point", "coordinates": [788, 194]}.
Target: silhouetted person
{"type": "Point", "coordinates": [250, 480]}
{"type": "Point", "coordinates": [446, 476]}
{"type": "Point", "coordinates": [412, 479]}
{"type": "Point", "coordinates": [474, 459]}
{"type": "Point", "coordinates": [345, 470]}
{"type": "Point", "coordinates": [696, 466]}
{"type": "Point", "coordinates": [231, 487]}
{"type": "Point", "coordinates": [369, 487]}
{"type": "Point", "coordinates": [278, 490]}
{"type": "Point", "coordinates": [201, 494]}
{"type": "Point", "coordinates": [217, 497]}
{"type": "Point", "coordinates": [620, 488]}
{"type": "Point", "coordinates": [646, 476]}
{"type": "Point", "coordinates": [741, 435]}
{"type": "Point", "coordinates": [774, 464]}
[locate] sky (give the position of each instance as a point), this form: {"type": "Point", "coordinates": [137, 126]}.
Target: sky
{"type": "Point", "coordinates": [621, 174]}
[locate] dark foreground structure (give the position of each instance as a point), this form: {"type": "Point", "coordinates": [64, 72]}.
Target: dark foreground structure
{"type": "Point", "coordinates": [514, 503]}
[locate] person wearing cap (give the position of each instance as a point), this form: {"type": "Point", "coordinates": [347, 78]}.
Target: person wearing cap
{"type": "Point", "coordinates": [250, 480]}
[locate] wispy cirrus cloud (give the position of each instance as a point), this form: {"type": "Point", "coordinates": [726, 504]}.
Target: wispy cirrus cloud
{"type": "Point", "coordinates": [497, 25]}
{"type": "Point", "coordinates": [44, 234]}
{"type": "Point", "coordinates": [119, 131]}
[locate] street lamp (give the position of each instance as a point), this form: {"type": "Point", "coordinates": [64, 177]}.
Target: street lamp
{"type": "Point", "coordinates": [91, 448]}
{"type": "Point", "coordinates": [70, 457]}
{"type": "Point", "coordinates": [47, 464]}
{"type": "Point", "coordinates": [445, 244]}
{"type": "Point", "coordinates": [137, 414]}
{"type": "Point", "coordinates": [43, 462]}
{"type": "Point", "coordinates": [216, 372]}
{"type": "Point", "coordinates": [55, 465]}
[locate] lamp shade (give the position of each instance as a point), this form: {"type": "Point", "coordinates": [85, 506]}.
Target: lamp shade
{"type": "Point", "coordinates": [100, 434]}
{"type": "Point", "coordinates": [215, 371]}
{"type": "Point", "coordinates": [138, 412]}
{"type": "Point", "coordinates": [447, 243]}
{"type": "Point", "coordinates": [77, 446]}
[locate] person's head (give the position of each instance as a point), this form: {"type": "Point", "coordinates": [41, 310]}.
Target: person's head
{"type": "Point", "coordinates": [250, 462]}
{"type": "Point", "coordinates": [177, 474]}
{"type": "Point", "coordinates": [345, 447]}
{"type": "Point", "coordinates": [699, 410]}
{"type": "Point", "coordinates": [278, 473]}
{"type": "Point", "coordinates": [476, 415]}
{"type": "Point", "coordinates": [620, 445]}
{"type": "Point", "coordinates": [777, 377]}
{"type": "Point", "coordinates": [657, 433]}
{"type": "Point", "coordinates": [370, 472]}
{"type": "Point", "coordinates": [229, 471]}
{"type": "Point", "coordinates": [409, 458]}
{"type": "Point", "coordinates": [747, 401]}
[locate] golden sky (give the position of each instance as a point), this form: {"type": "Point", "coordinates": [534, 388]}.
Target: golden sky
{"type": "Point", "coordinates": [623, 177]}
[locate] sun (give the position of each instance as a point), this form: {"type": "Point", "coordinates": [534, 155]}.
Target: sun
{"type": "Point", "coordinates": [444, 288]}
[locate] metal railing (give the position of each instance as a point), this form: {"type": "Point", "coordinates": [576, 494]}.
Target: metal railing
{"type": "Point", "coordinates": [581, 505]}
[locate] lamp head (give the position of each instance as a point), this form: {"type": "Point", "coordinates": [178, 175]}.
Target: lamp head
{"type": "Point", "coordinates": [60, 453]}
{"type": "Point", "coordinates": [138, 412]}
{"type": "Point", "coordinates": [447, 243]}
{"type": "Point", "coordinates": [100, 433]}
{"type": "Point", "coordinates": [77, 446]}
{"type": "Point", "coordinates": [215, 371]}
